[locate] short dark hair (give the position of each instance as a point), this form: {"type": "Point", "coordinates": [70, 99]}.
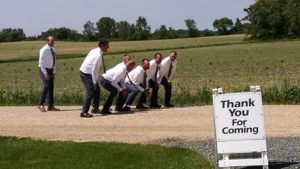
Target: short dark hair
{"type": "Point", "coordinates": [157, 54]}
{"type": "Point", "coordinates": [102, 42]}
{"type": "Point", "coordinates": [173, 51]}
{"type": "Point", "coordinates": [143, 60]}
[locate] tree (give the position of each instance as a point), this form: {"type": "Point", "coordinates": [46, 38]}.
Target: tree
{"type": "Point", "coordinates": [106, 27]}
{"type": "Point", "coordinates": [273, 19]}
{"type": "Point", "coordinates": [161, 33]}
{"type": "Point", "coordinates": [192, 29]}
{"type": "Point", "coordinates": [142, 31]}
{"type": "Point", "coordinates": [62, 33]}
{"type": "Point", "coordinates": [238, 26]}
{"type": "Point", "coordinates": [12, 35]}
{"type": "Point", "coordinates": [123, 30]}
{"type": "Point", "coordinates": [89, 31]}
{"type": "Point", "coordinates": [224, 26]}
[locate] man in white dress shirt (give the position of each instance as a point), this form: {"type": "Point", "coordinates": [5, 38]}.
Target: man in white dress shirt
{"type": "Point", "coordinates": [47, 70]}
{"type": "Point", "coordinates": [168, 69]}
{"type": "Point", "coordinates": [89, 74]}
{"type": "Point", "coordinates": [137, 81]}
{"type": "Point", "coordinates": [114, 82]}
{"type": "Point", "coordinates": [155, 79]}
{"type": "Point", "coordinates": [126, 58]}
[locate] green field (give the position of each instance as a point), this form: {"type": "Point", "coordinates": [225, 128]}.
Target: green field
{"type": "Point", "coordinates": [229, 62]}
{"type": "Point", "coordinates": [35, 154]}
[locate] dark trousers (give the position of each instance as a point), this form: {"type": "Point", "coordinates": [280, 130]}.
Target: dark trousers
{"type": "Point", "coordinates": [154, 94]}
{"type": "Point", "coordinates": [113, 92]}
{"type": "Point", "coordinates": [168, 90]}
{"type": "Point", "coordinates": [133, 92]}
{"type": "Point", "coordinates": [91, 93]}
{"type": "Point", "coordinates": [47, 88]}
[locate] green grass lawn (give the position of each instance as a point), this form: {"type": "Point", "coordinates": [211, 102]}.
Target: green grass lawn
{"type": "Point", "coordinates": [275, 66]}
{"type": "Point", "coordinates": [23, 153]}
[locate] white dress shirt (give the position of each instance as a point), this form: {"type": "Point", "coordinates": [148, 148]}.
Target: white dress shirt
{"type": "Point", "coordinates": [46, 59]}
{"type": "Point", "coordinates": [92, 63]}
{"type": "Point", "coordinates": [166, 67]}
{"type": "Point", "coordinates": [136, 77]}
{"type": "Point", "coordinates": [116, 75]}
{"type": "Point", "coordinates": [151, 71]}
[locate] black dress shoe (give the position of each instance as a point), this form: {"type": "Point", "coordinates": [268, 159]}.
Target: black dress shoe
{"type": "Point", "coordinates": [140, 106]}
{"type": "Point", "coordinates": [155, 106]}
{"type": "Point", "coordinates": [106, 112]}
{"type": "Point", "coordinates": [86, 115]}
{"type": "Point", "coordinates": [118, 109]}
{"type": "Point", "coordinates": [126, 108]}
{"type": "Point", "coordinates": [169, 105]}
{"type": "Point", "coordinates": [96, 111]}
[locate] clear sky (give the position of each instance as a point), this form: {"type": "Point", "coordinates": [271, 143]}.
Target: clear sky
{"type": "Point", "coordinates": [35, 16]}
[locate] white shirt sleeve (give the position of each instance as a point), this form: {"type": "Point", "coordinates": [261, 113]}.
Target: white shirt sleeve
{"type": "Point", "coordinates": [54, 67]}
{"type": "Point", "coordinates": [95, 68]}
{"type": "Point", "coordinates": [116, 79]}
{"type": "Point", "coordinates": [43, 60]}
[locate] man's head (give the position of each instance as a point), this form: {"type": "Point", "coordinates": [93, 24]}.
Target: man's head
{"type": "Point", "coordinates": [158, 58]}
{"type": "Point", "coordinates": [126, 58]}
{"type": "Point", "coordinates": [145, 64]}
{"type": "Point", "coordinates": [103, 45]}
{"type": "Point", "coordinates": [130, 65]}
{"type": "Point", "coordinates": [50, 41]}
{"type": "Point", "coordinates": [173, 56]}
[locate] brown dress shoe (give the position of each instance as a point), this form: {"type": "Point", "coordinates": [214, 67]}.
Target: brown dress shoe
{"type": "Point", "coordinates": [53, 109]}
{"type": "Point", "coordinates": [86, 115]}
{"type": "Point", "coordinates": [41, 108]}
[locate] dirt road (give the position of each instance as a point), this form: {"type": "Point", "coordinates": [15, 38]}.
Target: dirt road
{"type": "Point", "coordinates": [191, 123]}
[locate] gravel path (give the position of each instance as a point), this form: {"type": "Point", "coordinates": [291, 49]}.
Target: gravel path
{"type": "Point", "coordinates": [190, 126]}
{"type": "Point", "coordinates": [283, 152]}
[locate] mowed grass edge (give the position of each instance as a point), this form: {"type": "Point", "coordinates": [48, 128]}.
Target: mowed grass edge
{"type": "Point", "coordinates": [26, 153]}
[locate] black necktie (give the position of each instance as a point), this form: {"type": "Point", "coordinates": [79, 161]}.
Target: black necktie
{"type": "Point", "coordinates": [155, 75]}
{"type": "Point", "coordinates": [53, 57]}
{"type": "Point", "coordinates": [145, 79]}
{"type": "Point", "coordinates": [170, 70]}
{"type": "Point", "coordinates": [104, 69]}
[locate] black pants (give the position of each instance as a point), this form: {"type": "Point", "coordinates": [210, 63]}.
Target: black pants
{"type": "Point", "coordinates": [154, 94]}
{"type": "Point", "coordinates": [47, 88]}
{"type": "Point", "coordinates": [133, 92]}
{"type": "Point", "coordinates": [91, 93]}
{"type": "Point", "coordinates": [168, 90]}
{"type": "Point", "coordinates": [113, 92]}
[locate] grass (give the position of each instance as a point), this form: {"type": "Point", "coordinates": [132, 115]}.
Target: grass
{"type": "Point", "coordinates": [275, 66]}
{"type": "Point", "coordinates": [24, 153]}
{"type": "Point", "coordinates": [29, 49]}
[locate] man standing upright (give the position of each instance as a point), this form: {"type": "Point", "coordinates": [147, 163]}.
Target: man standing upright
{"type": "Point", "coordinates": [168, 70]}
{"type": "Point", "coordinates": [47, 70]}
{"type": "Point", "coordinates": [89, 74]}
{"type": "Point", "coordinates": [155, 79]}
{"type": "Point", "coordinates": [137, 81]}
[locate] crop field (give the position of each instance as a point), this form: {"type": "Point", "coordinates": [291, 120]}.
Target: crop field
{"type": "Point", "coordinates": [229, 62]}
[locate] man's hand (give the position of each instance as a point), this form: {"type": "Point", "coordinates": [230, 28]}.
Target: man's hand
{"type": "Point", "coordinates": [47, 77]}
{"type": "Point", "coordinates": [124, 93]}
{"type": "Point", "coordinates": [95, 86]}
{"type": "Point", "coordinates": [147, 92]}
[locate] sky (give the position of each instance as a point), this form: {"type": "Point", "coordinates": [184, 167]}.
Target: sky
{"type": "Point", "coordinates": [35, 16]}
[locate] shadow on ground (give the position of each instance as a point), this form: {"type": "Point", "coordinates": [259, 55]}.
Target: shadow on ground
{"type": "Point", "coordinates": [276, 165]}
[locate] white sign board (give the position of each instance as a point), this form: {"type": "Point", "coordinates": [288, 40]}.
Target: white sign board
{"type": "Point", "coordinates": [239, 127]}
{"type": "Point", "coordinates": [239, 116]}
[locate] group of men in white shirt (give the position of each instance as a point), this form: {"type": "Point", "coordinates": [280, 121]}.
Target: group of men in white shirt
{"type": "Point", "coordinates": [124, 81]}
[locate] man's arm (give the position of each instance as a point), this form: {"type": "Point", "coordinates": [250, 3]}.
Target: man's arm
{"type": "Point", "coordinates": [42, 61]}
{"type": "Point", "coordinates": [95, 69]}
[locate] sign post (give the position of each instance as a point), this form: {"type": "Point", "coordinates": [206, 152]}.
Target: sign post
{"type": "Point", "coordinates": [239, 129]}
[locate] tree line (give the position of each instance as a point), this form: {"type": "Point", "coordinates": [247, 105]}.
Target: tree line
{"type": "Point", "coordinates": [265, 19]}
{"type": "Point", "coordinates": [109, 28]}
